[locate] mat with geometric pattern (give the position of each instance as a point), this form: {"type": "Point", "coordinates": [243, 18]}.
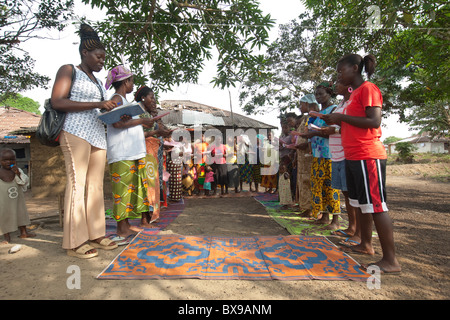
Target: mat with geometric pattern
{"type": "Point", "coordinates": [233, 258]}
{"type": "Point", "coordinates": [166, 216]}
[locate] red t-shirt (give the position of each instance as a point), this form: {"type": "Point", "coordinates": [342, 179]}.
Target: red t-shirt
{"type": "Point", "coordinates": [359, 143]}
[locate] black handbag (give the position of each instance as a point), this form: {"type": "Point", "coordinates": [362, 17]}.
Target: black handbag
{"type": "Point", "coordinates": [52, 121]}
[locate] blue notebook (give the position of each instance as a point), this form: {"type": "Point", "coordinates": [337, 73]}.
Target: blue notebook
{"type": "Point", "coordinates": [113, 116]}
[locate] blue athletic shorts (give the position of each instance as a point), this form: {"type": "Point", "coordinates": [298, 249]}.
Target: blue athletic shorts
{"type": "Point", "coordinates": [338, 178]}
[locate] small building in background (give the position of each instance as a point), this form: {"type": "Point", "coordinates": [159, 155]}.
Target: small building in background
{"type": "Point", "coordinates": [424, 143]}
{"type": "Point", "coordinates": [13, 120]}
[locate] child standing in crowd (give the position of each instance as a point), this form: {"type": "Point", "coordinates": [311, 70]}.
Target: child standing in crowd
{"type": "Point", "coordinates": [365, 157]}
{"type": "Point", "coordinates": [209, 180]}
{"type": "Point", "coordinates": [284, 187]}
{"type": "Point", "coordinates": [13, 211]}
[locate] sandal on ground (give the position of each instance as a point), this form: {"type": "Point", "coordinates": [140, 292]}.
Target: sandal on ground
{"type": "Point", "coordinates": [120, 241]}
{"type": "Point", "coordinates": [81, 252]}
{"type": "Point", "coordinates": [340, 233]}
{"type": "Point", "coordinates": [348, 243]}
{"type": "Point", "coordinates": [105, 244]}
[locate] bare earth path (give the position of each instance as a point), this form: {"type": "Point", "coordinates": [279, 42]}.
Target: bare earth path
{"type": "Point", "coordinates": [419, 208]}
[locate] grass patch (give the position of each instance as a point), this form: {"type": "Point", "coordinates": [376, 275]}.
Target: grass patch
{"type": "Point", "coordinates": [421, 158]}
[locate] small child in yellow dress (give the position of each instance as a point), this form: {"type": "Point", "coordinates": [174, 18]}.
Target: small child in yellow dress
{"type": "Point", "coordinates": [13, 211]}
{"type": "Point", "coordinates": [284, 188]}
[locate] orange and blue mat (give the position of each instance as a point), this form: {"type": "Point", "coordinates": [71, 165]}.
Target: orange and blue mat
{"type": "Point", "coordinates": [233, 258]}
{"type": "Point", "coordinates": [166, 217]}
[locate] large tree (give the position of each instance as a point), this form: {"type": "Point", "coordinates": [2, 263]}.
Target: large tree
{"type": "Point", "coordinates": [294, 64]}
{"type": "Point", "coordinates": [20, 21]}
{"type": "Point", "coordinates": [167, 42]}
{"type": "Point", "coordinates": [409, 38]}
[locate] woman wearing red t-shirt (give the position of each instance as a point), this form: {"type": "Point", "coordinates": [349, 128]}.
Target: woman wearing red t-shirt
{"type": "Point", "coordinates": [365, 157]}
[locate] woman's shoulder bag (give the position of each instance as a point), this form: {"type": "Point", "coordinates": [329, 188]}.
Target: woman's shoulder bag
{"type": "Point", "coordinates": [52, 121]}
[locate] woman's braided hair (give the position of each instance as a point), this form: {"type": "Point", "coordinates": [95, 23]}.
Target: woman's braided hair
{"type": "Point", "coordinates": [89, 39]}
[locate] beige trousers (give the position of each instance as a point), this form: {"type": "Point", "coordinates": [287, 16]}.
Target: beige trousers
{"type": "Point", "coordinates": [84, 207]}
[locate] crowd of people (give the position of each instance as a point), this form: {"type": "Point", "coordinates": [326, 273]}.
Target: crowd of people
{"type": "Point", "coordinates": [336, 149]}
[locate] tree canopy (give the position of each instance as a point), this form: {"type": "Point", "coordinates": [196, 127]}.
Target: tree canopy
{"type": "Point", "coordinates": [409, 38]}
{"type": "Point", "coordinates": [167, 42]}
{"type": "Point", "coordinates": [20, 21]}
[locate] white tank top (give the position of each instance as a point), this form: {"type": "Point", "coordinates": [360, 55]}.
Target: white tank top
{"type": "Point", "coordinates": [125, 144]}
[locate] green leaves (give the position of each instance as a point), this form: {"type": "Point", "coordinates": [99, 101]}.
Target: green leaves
{"type": "Point", "coordinates": [167, 42]}
{"type": "Point", "coordinates": [19, 102]}
{"type": "Point", "coordinates": [294, 63]}
{"type": "Point", "coordinates": [411, 44]}
{"type": "Point", "coordinates": [20, 21]}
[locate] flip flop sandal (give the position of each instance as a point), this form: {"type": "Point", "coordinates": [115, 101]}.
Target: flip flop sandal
{"type": "Point", "coordinates": [348, 243]}
{"type": "Point", "coordinates": [340, 233]}
{"type": "Point", "coordinates": [104, 244]}
{"type": "Point", "coordinates": [81, 252]}
{"type": "Point", "coordinates": [120, 241]}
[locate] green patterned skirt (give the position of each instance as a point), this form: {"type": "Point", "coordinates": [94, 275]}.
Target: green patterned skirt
{"type": "Point", "coordinates": [129, 188]}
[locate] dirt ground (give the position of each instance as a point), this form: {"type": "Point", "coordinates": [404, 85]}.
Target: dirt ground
{"type": "Point", "coordinates": [419, 208]}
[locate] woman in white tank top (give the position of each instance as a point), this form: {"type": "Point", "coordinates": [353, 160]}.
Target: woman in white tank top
{"type": "Point", "coordinates": [126, 154]}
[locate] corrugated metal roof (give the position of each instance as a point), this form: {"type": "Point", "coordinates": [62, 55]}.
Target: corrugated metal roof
{"type": "Point", "coordinates": [423, 137]}
{"type": "Point", "coordinates": [188, 113]}
{"type": "Point", "coordinates": [198, 118]}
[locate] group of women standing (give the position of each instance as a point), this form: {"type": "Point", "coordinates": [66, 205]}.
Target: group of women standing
{"type": "Point", "coordinates": [252, 165]}
{"type": "Point", "coordinates": [339, 148]}
{"type": "Point", "coordinates": [135, 156]}
{"type": "Point", "coordinates": [132, 148]}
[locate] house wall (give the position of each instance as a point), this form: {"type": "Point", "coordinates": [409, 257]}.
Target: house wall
{"type": "Point", "coordinates": [438, 148]}
{"type": "Point", "coordinates": [48, 174]}
{"type": "Point", "coordinates": [424, 147]}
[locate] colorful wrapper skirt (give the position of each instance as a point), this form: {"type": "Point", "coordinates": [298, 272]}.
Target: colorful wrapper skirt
{"type": "Point", "coordinates": [175, 180]}
{"type": "Point", "coordinates": [153, 190]}
{"type": "Point", "coordinates": [256, 173]}
{"type": "Point", "coordinates": [129, 187]}
{"type": "Point", "coordinates": [245, 171]}
{"type": "Point", "coordinates": [324, 197]}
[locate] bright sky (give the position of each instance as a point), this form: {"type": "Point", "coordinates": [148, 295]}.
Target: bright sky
{"type": "Point", "coordinates": [51, 54]}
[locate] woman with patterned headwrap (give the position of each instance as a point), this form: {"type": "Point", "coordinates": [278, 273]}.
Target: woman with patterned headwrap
{"type": "Point", "coordinates": [83, 144]}
{"type": "Point", "coordinates": [127, 159]}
